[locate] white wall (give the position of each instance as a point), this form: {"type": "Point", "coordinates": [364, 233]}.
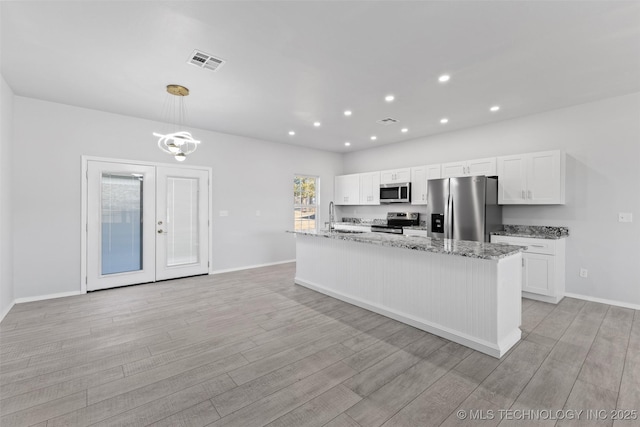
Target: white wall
{"type": "Point", "coordinates": [602, 142]}
{"type": "Point", "coordinates": [6, 213]}
{"type": "Point", "coordinates": [248, 175]}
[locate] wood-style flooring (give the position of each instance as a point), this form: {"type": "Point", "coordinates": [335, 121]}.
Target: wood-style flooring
{"type": "Point", "coordinates": [251, 348]}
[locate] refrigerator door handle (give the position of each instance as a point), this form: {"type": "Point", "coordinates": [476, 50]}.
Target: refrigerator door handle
{"type": "Point", "coordinates": [448, 231]}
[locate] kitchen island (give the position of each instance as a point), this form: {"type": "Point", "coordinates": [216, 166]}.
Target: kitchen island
{"type": "Point", "coordinates": [467, 292]}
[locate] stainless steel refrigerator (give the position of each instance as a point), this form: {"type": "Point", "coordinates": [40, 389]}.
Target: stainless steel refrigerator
{"type": "Point", "coordinates": [463, 208]}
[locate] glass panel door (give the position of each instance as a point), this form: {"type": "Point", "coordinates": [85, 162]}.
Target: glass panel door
{"type": "Point", "coordinates": [120, 227]}
{"type": "Point", "coordinates": [121, 220]}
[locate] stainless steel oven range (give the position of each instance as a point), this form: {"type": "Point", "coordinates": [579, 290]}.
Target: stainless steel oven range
{"type": "Point", "coordinates": [395, 222]}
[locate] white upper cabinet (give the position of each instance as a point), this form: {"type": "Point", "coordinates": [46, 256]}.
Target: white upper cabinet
{"type": "Point", "coordinates": [532, 178]}
{"type": "Point", "coordinates": [395, 176]}
{"type": "Point", "coordinates": [370, 188]}
{"type": "Point", "coordinates": [347, 189]}
{"type": "Point", "coordinates": [475, 167]}
{"type": "Point", "coordinates": [419, 177]}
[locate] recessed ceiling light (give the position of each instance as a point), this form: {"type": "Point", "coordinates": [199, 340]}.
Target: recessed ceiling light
{"type": "Point", "coordinates": [444, 78]}
{"type": "Point", "coordinates": [389, 98]}
{"type": "Point", "coordinates": [316, 124]}
{"type": "Point", "coordinates": [494, 108]}
{"type": "Point", "coordinates": [347, 143]}
{"type": "Point", "coordinates": [444, 121]}
{"type": "Point", "coordinates": [291, 133]}
{"type": "Point", "coordinates": [404, 130]}
{"type": "Point", "coordinates": [347, 112]}
{"type": "Point", "coordinates": [373, 138]}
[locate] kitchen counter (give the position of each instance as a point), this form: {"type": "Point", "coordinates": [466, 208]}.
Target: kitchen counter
{"type": "Point", "coordinates": [463, 248]}
{"type": "Point", "coordinates": [533, 231]}
{"type": "Point", "coordinates": [467, 292]}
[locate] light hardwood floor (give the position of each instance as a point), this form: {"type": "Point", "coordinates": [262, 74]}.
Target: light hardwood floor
{"type": "Point", "coordinates": [250, 348]}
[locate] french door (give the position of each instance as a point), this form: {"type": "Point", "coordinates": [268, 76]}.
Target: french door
{"type": "Point", "coordinates": [145, 223]}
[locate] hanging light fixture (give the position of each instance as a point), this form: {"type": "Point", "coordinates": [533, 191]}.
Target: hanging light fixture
{"type": "Point", "coordinates": [179, 143]}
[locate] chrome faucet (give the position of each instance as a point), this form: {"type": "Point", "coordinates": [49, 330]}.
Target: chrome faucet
{"type": "Point", "coordinates": [331, 216]}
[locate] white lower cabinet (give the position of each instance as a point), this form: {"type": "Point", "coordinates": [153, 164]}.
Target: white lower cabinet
{"type": "Point", "coordinates": [543, 267]}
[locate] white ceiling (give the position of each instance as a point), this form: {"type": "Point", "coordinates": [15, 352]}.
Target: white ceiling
{"type": "Point", "coordinates": [292, 63]}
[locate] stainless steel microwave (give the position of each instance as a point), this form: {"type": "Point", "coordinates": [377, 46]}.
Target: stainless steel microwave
{"type": "Point", "coordinates": [395, 193]}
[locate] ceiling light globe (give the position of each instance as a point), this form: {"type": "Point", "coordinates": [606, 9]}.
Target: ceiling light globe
{"type": "Point", "coordinates": [444, 78]}
{"type": "Point", "coordinates": [347, 113]}
{"type": "Point", "coordinates": [389, 98]}
{"type": "Point", "coordinates": [180, 157]}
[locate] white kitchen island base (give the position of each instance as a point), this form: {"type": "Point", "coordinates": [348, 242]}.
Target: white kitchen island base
{"type": "Point", "coordinates": [471, 301]}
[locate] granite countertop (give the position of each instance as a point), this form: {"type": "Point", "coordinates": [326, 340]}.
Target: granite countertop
{"type": "Point", "coordinates": [416, 227]}
{"type": "Point", "coordinates": [533, 231]}
{"type": "Point", "coordinates": [492, 251]}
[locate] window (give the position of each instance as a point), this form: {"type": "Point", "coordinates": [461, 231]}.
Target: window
{"type": "Point", "coordinates": [305, 203]}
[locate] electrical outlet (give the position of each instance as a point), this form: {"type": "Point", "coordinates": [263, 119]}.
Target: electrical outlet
{"type": "Point", "coordinates": [625, 217]}
{"type": "Point", "coordinates": [224, 213]}
{"type": "Point", "coordinates": [584, 273]}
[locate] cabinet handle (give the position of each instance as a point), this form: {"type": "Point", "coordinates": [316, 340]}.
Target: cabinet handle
{"type": "Point", "coordinates": [523, 195]}
{"type": "Point", "coordinates": [523, 262]}
{"type": "Point", "coordinates": [537, 246]}
{"type": "Point", "coordinates": [530, 194]}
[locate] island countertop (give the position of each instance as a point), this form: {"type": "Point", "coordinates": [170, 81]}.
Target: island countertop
{"type": "Point", "coordinates": [464, 248]}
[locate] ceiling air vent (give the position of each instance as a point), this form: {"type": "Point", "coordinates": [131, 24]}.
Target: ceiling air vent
{"type": "Point", "coordinates": [204, 60]}
{"type": "Point", "coordinates": [388, 121]}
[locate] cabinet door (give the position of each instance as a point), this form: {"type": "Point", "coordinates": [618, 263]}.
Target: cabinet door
{"type": "Point", "coordinates": [486, 167]}
{"type": "Point", "coordinates": [394, 176]}
{"type": "Point", "coordinates": [419, 185]}
{"type": "Point", "coordinates": [347, 189]}
{"type": "Point", "coordinates": [452, 170]}
{"type": "Point", "coordinates": [434, 172]}
{"type": "Point", "coordinates": [370, 188]}
{"type": "Point", "coordinates": [537, 273]}
{"type": "Point", "coordinates": [403, 175]}
{"type": "Point", "coordinates": [386, 177]}
{"type": "Point", "coordinates": [544, 178]}
{"type": "Point", "coordinates": [512, 180]}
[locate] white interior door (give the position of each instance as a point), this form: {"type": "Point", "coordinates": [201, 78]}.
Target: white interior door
{"type": "Point", "coordinates": [182, 219]}
{"type": "Point", "coordinates": [120, 227]}
{"type": "Point", "coordinates": [145, 223]}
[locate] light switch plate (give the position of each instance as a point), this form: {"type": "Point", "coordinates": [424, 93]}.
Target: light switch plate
{"type": "Point", "coordinates": [625, 217]}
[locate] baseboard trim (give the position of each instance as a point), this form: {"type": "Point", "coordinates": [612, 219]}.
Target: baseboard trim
{"type": "Point", "coordinates": [603, 301]}
{"type": "Point", "coordinates": [494, 350]}
{"type": "Point", "coordinates": [4, 313]}
{"type": "Point", "coordinates": [49, 296]}
{"type": "Point", "coordinates": [250, 267]}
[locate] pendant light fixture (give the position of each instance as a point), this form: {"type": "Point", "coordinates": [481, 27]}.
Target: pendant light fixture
{"type": "Point", "coordinates": [179, 143]}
